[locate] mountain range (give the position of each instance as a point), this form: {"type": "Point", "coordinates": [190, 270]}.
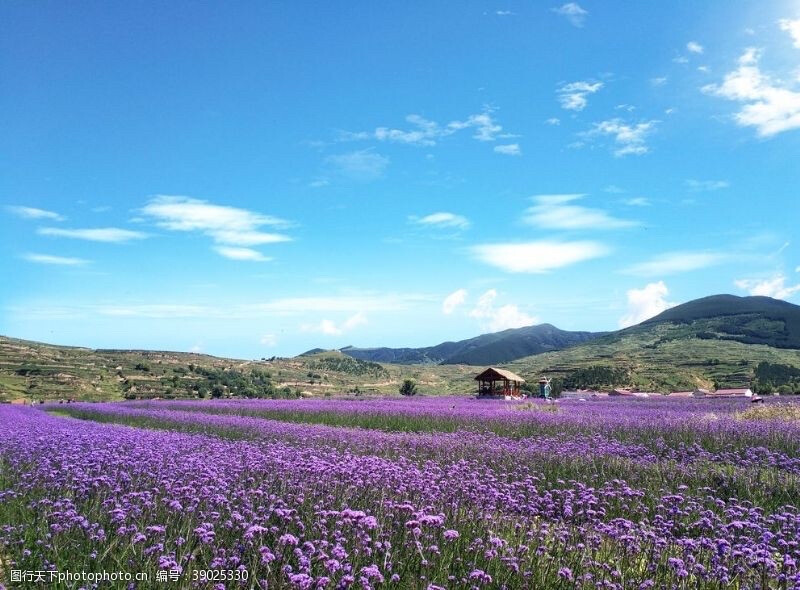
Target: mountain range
{"type": "Point", "coordinates": [749, 320]}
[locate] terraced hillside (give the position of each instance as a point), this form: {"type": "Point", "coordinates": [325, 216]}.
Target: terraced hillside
{"type": "Point", "coordinates": [36, 371]}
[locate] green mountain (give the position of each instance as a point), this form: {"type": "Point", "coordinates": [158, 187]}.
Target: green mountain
{"type": "Point", "coordinates": [487, 349]}
{"type": "Point", "coordinates": [721, 340]}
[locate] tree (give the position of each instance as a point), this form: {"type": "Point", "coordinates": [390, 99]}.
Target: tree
{"type": "Point", "coordinates": [409, 387]}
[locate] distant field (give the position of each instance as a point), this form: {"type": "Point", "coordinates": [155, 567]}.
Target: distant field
{"type": "Point", "coordinates": [425, 493]}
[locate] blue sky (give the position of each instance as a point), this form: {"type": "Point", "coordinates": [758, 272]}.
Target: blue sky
{"type": "Point", "coordinates": [260, 180]}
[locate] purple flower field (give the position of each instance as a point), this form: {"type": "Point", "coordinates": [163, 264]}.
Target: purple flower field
{"type": "Point", "coordinates": [424, 493]}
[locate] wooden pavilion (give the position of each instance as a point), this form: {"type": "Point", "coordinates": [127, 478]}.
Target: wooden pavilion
{"type": "Point", "coordinates": [496, 382]}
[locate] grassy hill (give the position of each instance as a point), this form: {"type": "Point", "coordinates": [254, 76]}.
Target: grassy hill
{"type": "Point", "coordinates": [486, 349]}
{"type": "Point", "coordinates": [715, 340]}
{"type": "Point", "coordinates": [36, 371]}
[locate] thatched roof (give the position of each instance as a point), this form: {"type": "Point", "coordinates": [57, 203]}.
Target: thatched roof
{"type": "Point", "coordinates": [493, 374]}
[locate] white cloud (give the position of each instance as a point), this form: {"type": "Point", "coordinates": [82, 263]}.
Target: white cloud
{"type": "Point", "coordinates": [503, 12]}
{"type": "Point", "coordinates": [59, 260]}
{"type": "Point", "coordinates": [235, 253]}
{"type": "Point", "coordinates": [573, 96]}
{"type": "Point", "coordinates": [511, 149]}
{"type": "Point", "coordinates": [330, 328]}
{"type": "Point", "coordinates": [573, 12]}
{"type": "Point", "coordinates": [793, 28]}
{"type": "Point", "coordinates": [268, 340]}
{"type": "Point", "coordinates": [452, 301]}
{"type": "Point", "coordinates": [553, 121]}
{"type": "Point", "coordinates": [675, 262]}
{"type": "Point", "coordinates": [706, 185]}
{"type": "Point", "coordinates": [495, 319]}
{"type": "Point", "coordinates": [694, 47]}
{"type": "Point", "coordinates": [628, 138]}
{"type": "Point", "coordinates": [442, 219]}
{"type": "Point", "coordinates": [659, 81]}
{"type": "Point", "coordinates": [538, 256]}
{"type": "Point", "coordinates": [645, 303]}
{"type": "Point", "coordinates": [33, 213]}
{"type": "Point", "coordinates": [424, 132]}
{"type": "Point", "coordinates": [226, 225]}
{"type": "Point", "coordinates": [638, 202]}
{"type": "Point", "coordinates": [559, 212]}
{"type": "Point", "coordinates": [361, 165]}
{"type": "Point", "coordinates": [773, 287]}
{"type": "Point", "coordinates": [771, 106]}
{"type": "Point", "coordinates": [104, 234]}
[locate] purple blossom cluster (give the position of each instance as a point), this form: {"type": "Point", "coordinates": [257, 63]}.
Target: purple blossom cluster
{"type": "Point", "coordinates": [579, 498]}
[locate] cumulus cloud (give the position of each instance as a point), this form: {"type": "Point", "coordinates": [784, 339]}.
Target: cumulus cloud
{"type": "Point", "coordinates": [706, 185]}
{"type": "Point", "coordinates": [331, 328]}
{"type": "Point", "coordinates": [572, 96]}
{"type": "Point", "coordinates": [628, 138]}
{"type": "Point", "coordinates": [58, 260]}
{"type": "Point", "coordinates": [361, 165]}
{"type": "Point", "coordinates": [694, 47]}
{"type": "Point", "coordinates": [771, 106]}
{"type": "Point", "coordinates": [511, 149]}
{"type": "Point", "coordinates": [103, 234]}
{"type": "Point", "coordinates": [538, 256]}
{"type": "Point", "coordinates": [33, 213]}
{"type": "Point", "coordinates": [675, 262]}
{"type": "Point", "coordinates": [573, 12]}
{"type": "Point", "coordinates": [442, 219]}
{"type": "Point", "coordinates": [452, 301]}
{"type": "Point", "coordinates": [495, 319]}
{"type": "Point", "coordinates": [645, 303]}
{"type": "Point", "coordinates": [793, 28]}
{"type": "Point", "coordinates": [560, 212]}
{"type": "Point", "coordinates": [775, 287]}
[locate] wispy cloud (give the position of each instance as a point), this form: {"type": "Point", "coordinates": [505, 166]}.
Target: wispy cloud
{"type": "Point", "coordinates": [572, 96]}
{"type": "Point", "coordinates": [775, 287]}
{"type": "Point", "coordinates": [645, 303]}
{"type": "Point", "coordinates": [511, 149]}
{"type": "Point", "coordinates": [238, 253]}
{"type": "Point", "coordinates": [361, 165]}
{"type": "Point", "coordinates": [694, 47]}
{"type": "Point", "coordinates": [233, 230]}
{"type": "Point", "coordinates": [365, 302]}
{"type": "Point", "coordinates": [706, 185]}
{"type": "Point", "coordinates": [768, 105]}
{"type": "Point", "coordinates": [637, 202]}
{"type": "Point", "coordinates": [33, 213]}
{"type": "Point", "coordinates": [658, 81]}
{"type": "Point", "coordinates": [538, 256]}
{"type": "Point", "coordinates": [676, 262]}
{"type": "Point", "coordinates": [573, 12]}
{"type": "Point", "coordinates": [442, 219]}
{"type": "Point", "coordinates": [57, 260]}
{"type": "Point", "coordinates": [629, 138]}
{"type": "Point", "coordinates": [793, 28]}
{"type": "Point", "coordinates": [495, 319]}
{"type": "Point", "coordinates": [454, 300]}
{"type": "Point", "coordinates": [425, 132]}
{"type": "Point", "coordinates": [331, 328]}
{"type": "Point", "coordinates": [553, 121]}
{"type": "Point", "coordinates": [560, 212]}
{"type": "Point", "coordinates": [102, 234]}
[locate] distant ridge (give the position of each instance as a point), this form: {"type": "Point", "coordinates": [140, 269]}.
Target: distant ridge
{"type": "Point", "coordinates": [487, 349]}
{"type": "Point", "coordinates": [750, 320]}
